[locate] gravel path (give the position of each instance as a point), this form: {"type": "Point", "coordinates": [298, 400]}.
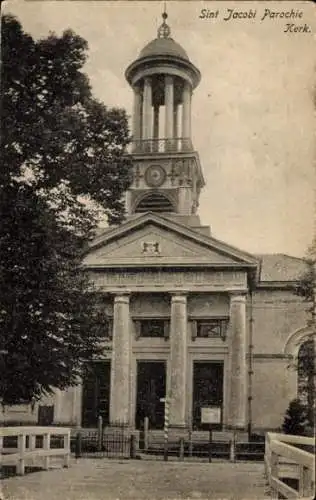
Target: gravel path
{"type": "Point", "coordinates": [92, 479]}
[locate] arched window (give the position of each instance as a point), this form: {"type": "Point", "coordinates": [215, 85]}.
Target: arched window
{"type": "Point", "coordinates": [154, 202]}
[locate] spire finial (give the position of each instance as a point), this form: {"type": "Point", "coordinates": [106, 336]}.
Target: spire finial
{"type": "Point", "coordinates": [164, 31]}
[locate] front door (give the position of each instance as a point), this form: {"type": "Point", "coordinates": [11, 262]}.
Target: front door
{"type": "Point", "coordinates": [96, 393]}
{"type": "Point", "coordinates": [207, 388]}
{"type": "Point", "coordinates": [151, 387]}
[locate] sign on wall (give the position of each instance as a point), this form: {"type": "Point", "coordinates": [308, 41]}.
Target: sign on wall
{"type": "Point", "coordinates": [211, 415]}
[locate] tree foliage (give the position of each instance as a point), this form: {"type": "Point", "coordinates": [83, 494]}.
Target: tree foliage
{"type": "Point", "coordinates": [60, 148]}
{"type": "Point", "coordinates": [52, 127]}
{"type": "Point", "coordinates": [306, 358]}
{"type": "Point", "coordinates": [295, 418]}
{"type": "Point", "coordinates": [307, 282]}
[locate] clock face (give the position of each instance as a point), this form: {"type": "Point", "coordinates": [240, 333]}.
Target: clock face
{"type": "Point", "coordinates": [155, 175]}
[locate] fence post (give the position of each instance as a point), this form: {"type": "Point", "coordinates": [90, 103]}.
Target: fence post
{"type": "Point", "coordinates": [232, 450]}
{"type": "Point", "coordinates": [181, 448]}
{"type": "Point", "coordinates": [78, 445]}
{"type": "Point", "coordinates": [67, 448]}
{"type": "Point", "coordinates": [274, 461]}
{"type": "Point", "coordinates": [305, 481]}
{"type": "Point", "coordinates": [46, 447]}
{"type": "Point", "coordinates": [166, 430]}
{"type": "Point", "coordinates": [32, 442]}
{"type": "Point", "coordinates": [210, 445]}
{"type": "Point", "coordinates": [146, 433]}
{"type": "Point", "coordinates": [133, 446]}
{"type": "Point", "coordinates": [20, 469]}
{"type": "Point", "coordinates": [190, 442]}
{"type": "Point", "coordinates": [100, 432]}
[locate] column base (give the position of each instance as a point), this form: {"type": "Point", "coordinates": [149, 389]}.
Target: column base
{"type": "Point", "coordinates": [178, 431]}
{"type": "Point", "coordinates": [242, 428]}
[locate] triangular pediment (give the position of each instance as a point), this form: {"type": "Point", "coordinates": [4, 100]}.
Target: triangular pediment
{"type": "Point", "coordinates": [153, 240]}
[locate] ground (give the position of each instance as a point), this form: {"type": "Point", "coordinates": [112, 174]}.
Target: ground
{"type": "Point", "coordinates": [104, 479]}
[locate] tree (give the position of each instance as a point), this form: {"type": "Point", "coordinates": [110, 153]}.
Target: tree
{"type": "Point", "coordinates": [295, 418]}
{"type": "Point", "coordinates": [306, 358]}
{"type": "Point", "coordinates": [52, 127]}
{"type": "Point", "coordinates": [63, 165]}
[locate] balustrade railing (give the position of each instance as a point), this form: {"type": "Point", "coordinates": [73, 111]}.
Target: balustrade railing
{"type": "Point", "coordinates": [286, 458]}
{"type": "Point", "coordinates": [176, 145]}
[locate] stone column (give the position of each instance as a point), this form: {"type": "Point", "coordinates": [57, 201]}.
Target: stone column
{"type": "Point", "coordinates": [186, 111]}
{"type": "Point", "coordinates": [120, 365]}
{"type": "Point", "coordinates": [175, 120]}
{"type": "Point", "coordinates": [178, 359]}
{"type": "Point", "coordinates": [147, 109]}
{"type": "Point", "coordinates": [156, 122]}
{"type": "Point", "coordinates": [169, 100]}
{"type": "Point", "coordinates": [137, 111]}
{"type": "Point", "coordinates": [237, 396]}
{"type": "Point", "coordinates": [76, 405]}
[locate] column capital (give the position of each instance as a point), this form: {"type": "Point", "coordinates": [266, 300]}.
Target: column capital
{"type": "Point", "coordinates": [238, 297]}
{"type": "Point", "coordinates": [147, 80]}
{"type": "Point", "coordinates": [178, 296]}
{"type": "Point", "coordinates": [122, 297]}
{"type": "Point", "coordinates": [168, 79]}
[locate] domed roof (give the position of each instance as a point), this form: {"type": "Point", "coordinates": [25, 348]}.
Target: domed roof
{"type": "Point", "coordinates": [163, 47]}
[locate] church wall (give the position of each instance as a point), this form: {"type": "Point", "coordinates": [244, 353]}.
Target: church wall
{"type": "Point", "coordinates": [273, 386]}
{"type": "Point", "coordinates": [277, 314]}
{"type": "Point", "coordinates": [23, 414]}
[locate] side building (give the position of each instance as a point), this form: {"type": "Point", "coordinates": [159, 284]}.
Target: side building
{"type": "Point", "coordinates": [193, 319]}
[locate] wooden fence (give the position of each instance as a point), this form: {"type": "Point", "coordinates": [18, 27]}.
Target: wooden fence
{"type": "Point", "coordinates": [21, 446]}
{"type": "Point", "coordinates": [287, 458]}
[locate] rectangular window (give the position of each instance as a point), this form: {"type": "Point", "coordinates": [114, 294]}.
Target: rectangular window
{"type": "Point", "coordinates": [211, 328]}
{"type": "Point", "coordinates": [153, 328]}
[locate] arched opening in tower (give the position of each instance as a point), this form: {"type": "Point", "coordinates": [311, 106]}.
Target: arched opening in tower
{"type": "Point", "coordinates": [154, 202]}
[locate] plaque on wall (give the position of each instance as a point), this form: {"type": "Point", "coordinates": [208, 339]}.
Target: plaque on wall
{"type": "Point", "coordinates": [211, 415]}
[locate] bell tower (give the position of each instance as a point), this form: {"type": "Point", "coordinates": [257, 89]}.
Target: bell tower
{"type": "Point", "coordinates": [167, 172]}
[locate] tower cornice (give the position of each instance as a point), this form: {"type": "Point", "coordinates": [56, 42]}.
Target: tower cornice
{"type": "Point", "coordinates": [153, 64]}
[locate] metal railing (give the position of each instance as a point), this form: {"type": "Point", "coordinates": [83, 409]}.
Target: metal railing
{"type": "Point", "coordinates": [176, 145]}
{"type": "Point", "coordinates": [290, 459]}
{"type": "Point", "coordinates": [200, 445]}
{"type": "Point", "coordinates": [20, 446]}
{"type": "Point", "coordinates": [107, 442]}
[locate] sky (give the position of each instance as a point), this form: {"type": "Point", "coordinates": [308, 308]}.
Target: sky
{"type": "Point", "coordinates": [253, 119]}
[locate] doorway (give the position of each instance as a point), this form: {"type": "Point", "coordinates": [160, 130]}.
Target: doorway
{"type": "Point", "coordinates": [207, 388]}
{"type": "Point", "coordinates": [96, 393]}
{"type": "Point", "coordinates": [151, 387]}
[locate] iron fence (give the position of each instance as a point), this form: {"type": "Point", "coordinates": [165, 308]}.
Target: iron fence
{"type": "Point", "coordinates": [112, 442]}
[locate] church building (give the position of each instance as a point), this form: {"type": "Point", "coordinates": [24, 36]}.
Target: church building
{"type": "Point", "coordinates": [207, 326]}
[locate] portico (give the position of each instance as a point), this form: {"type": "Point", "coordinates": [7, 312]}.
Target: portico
{"type": "Point", "coordinates": [179, 350]}
{"type": "Point", "coordinates": [176, 315]}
